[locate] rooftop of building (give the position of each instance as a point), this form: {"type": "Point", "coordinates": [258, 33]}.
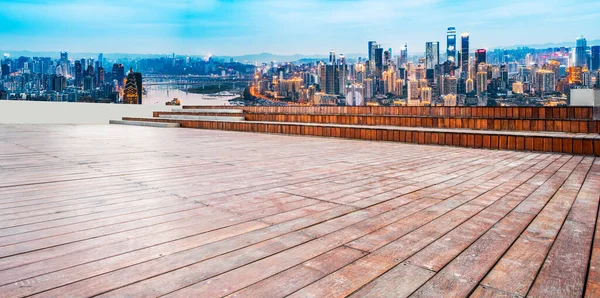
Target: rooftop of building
{"type": "Point", "coordinates": [140, 212]}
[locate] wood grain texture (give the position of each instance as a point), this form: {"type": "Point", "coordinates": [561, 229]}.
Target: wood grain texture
{"type": "Point", "coordinates": [123, 211]}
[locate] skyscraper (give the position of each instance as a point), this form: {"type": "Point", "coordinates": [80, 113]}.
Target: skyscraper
{"type": "Point", "coordinates": [138, 82]}
{"type": "Point", "coordinates": [480, 56]}
{"type": "Point", "coordinates": [432, 54]}
{"type": "Point", "coordinates": [378, 61]}
{"type": "Point", "coordinates": [595, 63]}
{"type": "Point", "coordinates": [403, 56]}
{"type": "Point", "coordinates": [100, 59]}
{"type": "Point", "coordinates": [581, 52]}
{"type": "Point", "coordinates": [451, 45]}
{"type": "Point", "coordinates": [372, 47]}
{"type": "Point", "coordinates": [331, 79]}
{"type": "Point", "coordinates": [78, 73]}
{"type": "Point", "coordinates": [464, 60]}
{"type": "Point", "coordinates": [118, 73]}
{"type": "Point", "coordinates": [100, 76]}
{"type": "Point", "coordinates": [332, 57]}
{"type": "Point", "coordinates": [64, 57]}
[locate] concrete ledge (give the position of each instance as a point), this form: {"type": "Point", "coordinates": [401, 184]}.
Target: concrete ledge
{"type": "Point", "coordinates": [42, 112]}
{"type": "Point", "coordinates": [145, 123]}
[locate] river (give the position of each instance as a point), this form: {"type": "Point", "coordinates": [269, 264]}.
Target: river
{"type": "Point", "coordinates": [159, 94]}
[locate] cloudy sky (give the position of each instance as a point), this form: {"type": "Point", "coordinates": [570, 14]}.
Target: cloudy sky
{"type": "Point", "coordinates": [236, 27]}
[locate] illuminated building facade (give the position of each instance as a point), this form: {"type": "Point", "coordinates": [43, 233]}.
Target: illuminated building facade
{"type": "Point", "coordinates": [581, 52]}
{"type": "Point", "coordinates": [517, 88]}
{"type": "Point", "coordinates": [481, 82]}
{"type": "Point", "coordinates": [574, 76]}
{"type": "Point", "coordinates": [131, 95]}
{"type": "Point", "coordinates": [480, 56]}
{"type": "Point", "coordinates": [451, 45]}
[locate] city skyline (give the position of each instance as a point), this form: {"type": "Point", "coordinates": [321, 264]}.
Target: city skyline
{"type": "Point", "coordinates": [236, 28]}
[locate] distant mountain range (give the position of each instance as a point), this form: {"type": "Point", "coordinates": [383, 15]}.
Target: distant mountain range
{"type": "Point", "coordinates": [252, 58]}
{"type": "Point", "coordinates": [268, 57]}
{"type": "Point", "coordinates": [552, 45]}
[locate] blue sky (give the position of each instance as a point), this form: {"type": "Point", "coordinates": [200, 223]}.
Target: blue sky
{"type": "Point", "coordinates": [236, 27]}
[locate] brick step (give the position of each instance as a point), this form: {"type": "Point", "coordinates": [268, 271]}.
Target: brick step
{"type": "Point", "coordinates": [560, 142]}
{"type": "Point", "coordinates": [200, 118]}
{"type": "Point", "coordinates": [145, 123]}
{"type": "Point", "coordinates": [200, 110]}
{"type": "Point", "coordinates": [587, 113]}
{"type": "Point", "coordinates": [157, 114]}
{"type": "Point", "coordinates": [571, 125]}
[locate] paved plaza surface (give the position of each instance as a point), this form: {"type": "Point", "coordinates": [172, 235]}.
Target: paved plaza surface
{"type": "Point", "coordinates": [125, 211]}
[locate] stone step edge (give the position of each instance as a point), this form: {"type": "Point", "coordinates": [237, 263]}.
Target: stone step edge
{"type": "Point", "coordinates": [145, 123]}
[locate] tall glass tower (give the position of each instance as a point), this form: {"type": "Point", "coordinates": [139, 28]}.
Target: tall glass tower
{"type": "Point", "coordinates": [581, 52]}
{"type": "Point", "coordinates": [451, 45]}
{"type": "Point", "coordinates": [464, 60]}
{"type": "Point", "coordinates": [432, 54]}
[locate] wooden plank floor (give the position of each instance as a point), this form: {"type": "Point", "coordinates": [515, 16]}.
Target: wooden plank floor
{"type": "Point", "coordinates": [124, 211]}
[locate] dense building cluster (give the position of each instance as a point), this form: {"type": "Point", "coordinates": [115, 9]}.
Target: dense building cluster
{"type": "Point", "coordinates": [101, 79]}
{"type": "Point", "coordinates": [456, 76]}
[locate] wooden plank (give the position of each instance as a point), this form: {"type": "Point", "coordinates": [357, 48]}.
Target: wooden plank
{"type": "Point", "coordinates": [517, 269]}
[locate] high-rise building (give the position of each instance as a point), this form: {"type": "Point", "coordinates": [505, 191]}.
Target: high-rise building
{"type": "Point", "coordinates": [118, 73]}
{"type": "Point", "coordinates": [378, 61]}
{"type": "Point", "coordinates": [387, 56]}
{"type": "Point", "coordinates": [372, 47]}
{"type": "Point", "coordinates": [332, 80]}
{"type": "Point", "coordinates": [480, 56]}
{"type": "Point", "coordinates": [368, 89]}
{"type": "Point", "coordinates": [130, 94]}
{"type": "Point", "coordinates": [517, 88]}
{"type": "Point", "coordinates": [432, 54]}
{"type": "Point", "coordinates": [101, 75]}
{"type": "Point", "coordinates": [481, 82]}
{"type": "Point", "coordinates": [389, 81]}
{"type": "Point", "coordinates": [413, 90]}
{"type": "Point", "coordinates": [332, 57]}
{"type": "Point", "coordinates": [78, 73]}
{"type": "Point", "coordinates": [426, 95]}
{"type": "Point", "coordinates": [451, 45]}
{"type": "Point", "coordinates": [595, 59]}
{"type": "Point", "coordinates": [403, 58]}
{"type": "Point", "coordinates": [586, 78]}
{"type": "Point", "coordinates": [88, 83]}
{"type": "Point", "coordinates": [100, 59]}
{"type": "Point", "coordinates": [139, 82]}
{"type": "Point", "coordinates": [545, 81]}
{"type": "Point", "coordinates": [464, 59]}
{"type": "Point", "coordinates": [5, 70]}
{"type": "Point", "coordinates": [64, 57]}
{"type": "Point", "coordinates": [581, 52]}
{"type": "Point", "coordinates": [574, 76]}
{"type": "Point", "coordinates": [469, 86]}
{"type": "Point", "coordinates": [59, 83]}
{"type": "Point", "coordinates": [449, 85]}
